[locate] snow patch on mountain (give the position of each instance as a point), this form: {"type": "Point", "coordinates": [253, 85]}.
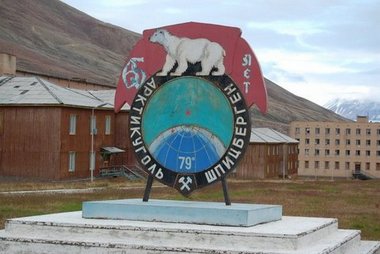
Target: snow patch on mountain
{"type": "Point", "coordinates": [351, 108]}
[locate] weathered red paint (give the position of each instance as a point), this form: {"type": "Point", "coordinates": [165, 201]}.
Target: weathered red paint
{"type": "Point", "coordinates": [228, 37]}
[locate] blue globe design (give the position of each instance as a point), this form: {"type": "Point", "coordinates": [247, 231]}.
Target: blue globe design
{"type": "Point", "coordinates": [187, 125]}
{"type": "Point", "coordinates": [187, 149]}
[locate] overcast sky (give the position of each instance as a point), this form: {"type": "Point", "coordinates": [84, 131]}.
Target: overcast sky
{"type": "Point", "coordinates": [316, 49]}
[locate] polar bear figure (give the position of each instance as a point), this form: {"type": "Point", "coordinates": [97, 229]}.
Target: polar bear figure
{"type": "Point", "coordinates": [183, 50]}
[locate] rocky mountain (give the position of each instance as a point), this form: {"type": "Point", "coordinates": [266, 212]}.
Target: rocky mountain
{"type": "Point", "coordinates": [50, 37]}
{"type": "Point", "coordinates": [352, 108]}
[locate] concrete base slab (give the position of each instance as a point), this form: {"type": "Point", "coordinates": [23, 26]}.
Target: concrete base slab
{"type": "Point", "coordinates": [71, 233]}
{"type": "Point", "coordinates": [206, 213]}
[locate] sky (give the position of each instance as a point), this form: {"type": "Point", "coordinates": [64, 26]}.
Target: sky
{"type": "Point", "coordinates": [317, 49]}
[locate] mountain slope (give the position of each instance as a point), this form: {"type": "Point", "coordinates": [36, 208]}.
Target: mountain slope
{"type": "Point", "coordinates": [285, 107]}
{"type": "Point", "coordinates": [353, 108]}
{"type": "Point", "coordinates": [50, 37]}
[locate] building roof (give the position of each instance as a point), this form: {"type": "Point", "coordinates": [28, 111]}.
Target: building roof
{"type": "Point", "coordinates": [266, 135]}
{"type": "Point", "coordinates": [36, 91]}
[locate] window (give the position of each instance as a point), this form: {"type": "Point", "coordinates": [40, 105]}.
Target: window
{"type": "Point", "coordinates": [337, 165]}
{"type": "Point", "coordinates": [377, 153]}
{"type": "Point", "coordinates": [348, 152]}
{"type": "Point", "coordinates": [378, 142]}
{"type": "Point", "coordinates": [348, 142]}
{"type": "Point", "coordinates": [317, 141]}
{"type": "Point", "coordinates": [357, 152]}
{"type": "Point", "coordinates": [348, 165]}
{"type": "Point", "coordinates": [327, 152]}
{"type": "Point", "coordinates": [92, 160]}
{"type": "Point", "coordinates": [327, 142]}
{"type": "Point", "coordinates": [337, 131]}
{"type": "Point", "coordinates": [348, 131]}
{"type": "Point", "coordinates": [357, 142]}
{"type": "Point", "coordinates": [368, 132]}
{"type": "Point", "coordinates": [358, 131]}
{"type": "Point", "coordinates": [377, 166]}
{"type": "Point", "coordinates": [378, 131]}
{"type": "Point", "coordinates": [337, 142]}
{"type": "Point", "coordinates": [327, 131]}
{"type": "Point", "coordinates": [73, 124]}
{"type": "Point", "coordinates": [327, 164]}
{"type": "Point", "coordinates": [367, 166]}
{"type": "Point", "coordinates": [307, 141]}
{"type": "Point", "coordinates": [93, 129]}
{"type": "Point", "coordinates": [316, 152]}
{"type": "Point", "coordinates": [316, 164]}
{"type": "Point", "coordinates": [307, 164]}
{"type": "Point", "coordinates": [297, 130]}
{"type": "Point", "coordinates": [307, 130]}
{"type": "Point", "coordinates": [368, 142]}
{"type": "Point", "coordinates": [71, 161]}
{"type": "Point", "coordinates": [306, 151]}
{"type": "Point", "coordinates": [368, 153]}
{"type": "Point", "coordinates": [337, 152]}
{"type": "Point", "coordinates": [107, 129]}
{"type": "Point", "coordinates": [317, 131]}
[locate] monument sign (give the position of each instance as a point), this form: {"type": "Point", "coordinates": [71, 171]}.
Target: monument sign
{"type": "Point", "coordinates": [189, 87]}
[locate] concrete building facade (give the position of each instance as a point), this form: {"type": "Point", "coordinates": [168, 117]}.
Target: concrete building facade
{"type": "Point", "coordinates": [338, 149]}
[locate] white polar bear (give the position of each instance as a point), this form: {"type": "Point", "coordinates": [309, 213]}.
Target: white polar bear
{"type": "Point", "coordinates": [183, 50]}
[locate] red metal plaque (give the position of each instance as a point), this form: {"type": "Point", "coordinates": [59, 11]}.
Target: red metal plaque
{"type": "Point", "coordinates": [239, 62]}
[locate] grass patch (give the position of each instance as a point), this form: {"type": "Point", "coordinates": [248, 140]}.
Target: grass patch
{"type": "Point", "coordinates": [356, 204]}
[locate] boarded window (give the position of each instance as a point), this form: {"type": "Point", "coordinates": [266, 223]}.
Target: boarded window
{"type": "Point", "coordinates": [1, 123]}
{"type": "Point", "coordinates": [72, 156]}
{"type": "Point", "coordinates": [92, 160]}
{"type": "Point", "coordinates": [73, 125]}
{"type": "Point", "coordinates": [108, 125]}
{"type": "Point", "coordinates": [93, 129]}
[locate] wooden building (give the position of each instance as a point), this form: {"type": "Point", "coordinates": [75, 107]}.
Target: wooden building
{"type": "Point", "coordinates": [52, 132]}
{"type": "Point", "coordinates": [270, 154]}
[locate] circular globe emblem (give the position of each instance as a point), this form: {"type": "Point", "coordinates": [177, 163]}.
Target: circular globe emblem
{"type": "Point", "coordinates": [189, 131]}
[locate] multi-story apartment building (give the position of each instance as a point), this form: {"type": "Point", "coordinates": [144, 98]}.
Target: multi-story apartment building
{"type": "Point", "coordinates": [338, 149]}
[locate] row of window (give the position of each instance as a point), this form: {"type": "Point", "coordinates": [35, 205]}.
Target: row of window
{"type": "Point", "coordinates": [336, 165]}
{"type": "Point", "coordinates": [317, 131]}
{"type": "Point", "coordinates": [275, 150]}
{"type": "Point", "coordinates": [93, 129]}
{"type": "Point", "coordinates": [317, 152]}
{"type": "Point", "coordinates": [358, 142]}
{"type": "Point", "coordinates": [72, 161]}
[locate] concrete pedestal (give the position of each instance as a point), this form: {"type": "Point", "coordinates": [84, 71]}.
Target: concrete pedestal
{"type": "Point", "coordinates": [205, 213]}
{"type": "Point", "coordinates": [71, 233]}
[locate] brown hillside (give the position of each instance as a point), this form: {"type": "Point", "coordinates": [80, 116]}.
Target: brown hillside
{"type": "Point", "coordinates": [285, 107]}
{"type": "Point", "coordinates": [50, 37]}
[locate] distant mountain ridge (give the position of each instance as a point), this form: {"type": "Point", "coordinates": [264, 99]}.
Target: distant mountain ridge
{"type": "Point", "coordinates": [50, 37]}
{"type": "Point", "coordinates": [352, 108]}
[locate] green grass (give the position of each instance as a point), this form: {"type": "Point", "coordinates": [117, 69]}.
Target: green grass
{"type": "Point", "coordinates": [356, 204]}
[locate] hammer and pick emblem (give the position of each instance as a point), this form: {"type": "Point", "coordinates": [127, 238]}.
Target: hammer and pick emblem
{"type": "Point", "coordinates": [185, 183]}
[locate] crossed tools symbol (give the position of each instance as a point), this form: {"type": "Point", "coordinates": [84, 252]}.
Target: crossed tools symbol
{"type": "Point", "coordinates": [186, 182]}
